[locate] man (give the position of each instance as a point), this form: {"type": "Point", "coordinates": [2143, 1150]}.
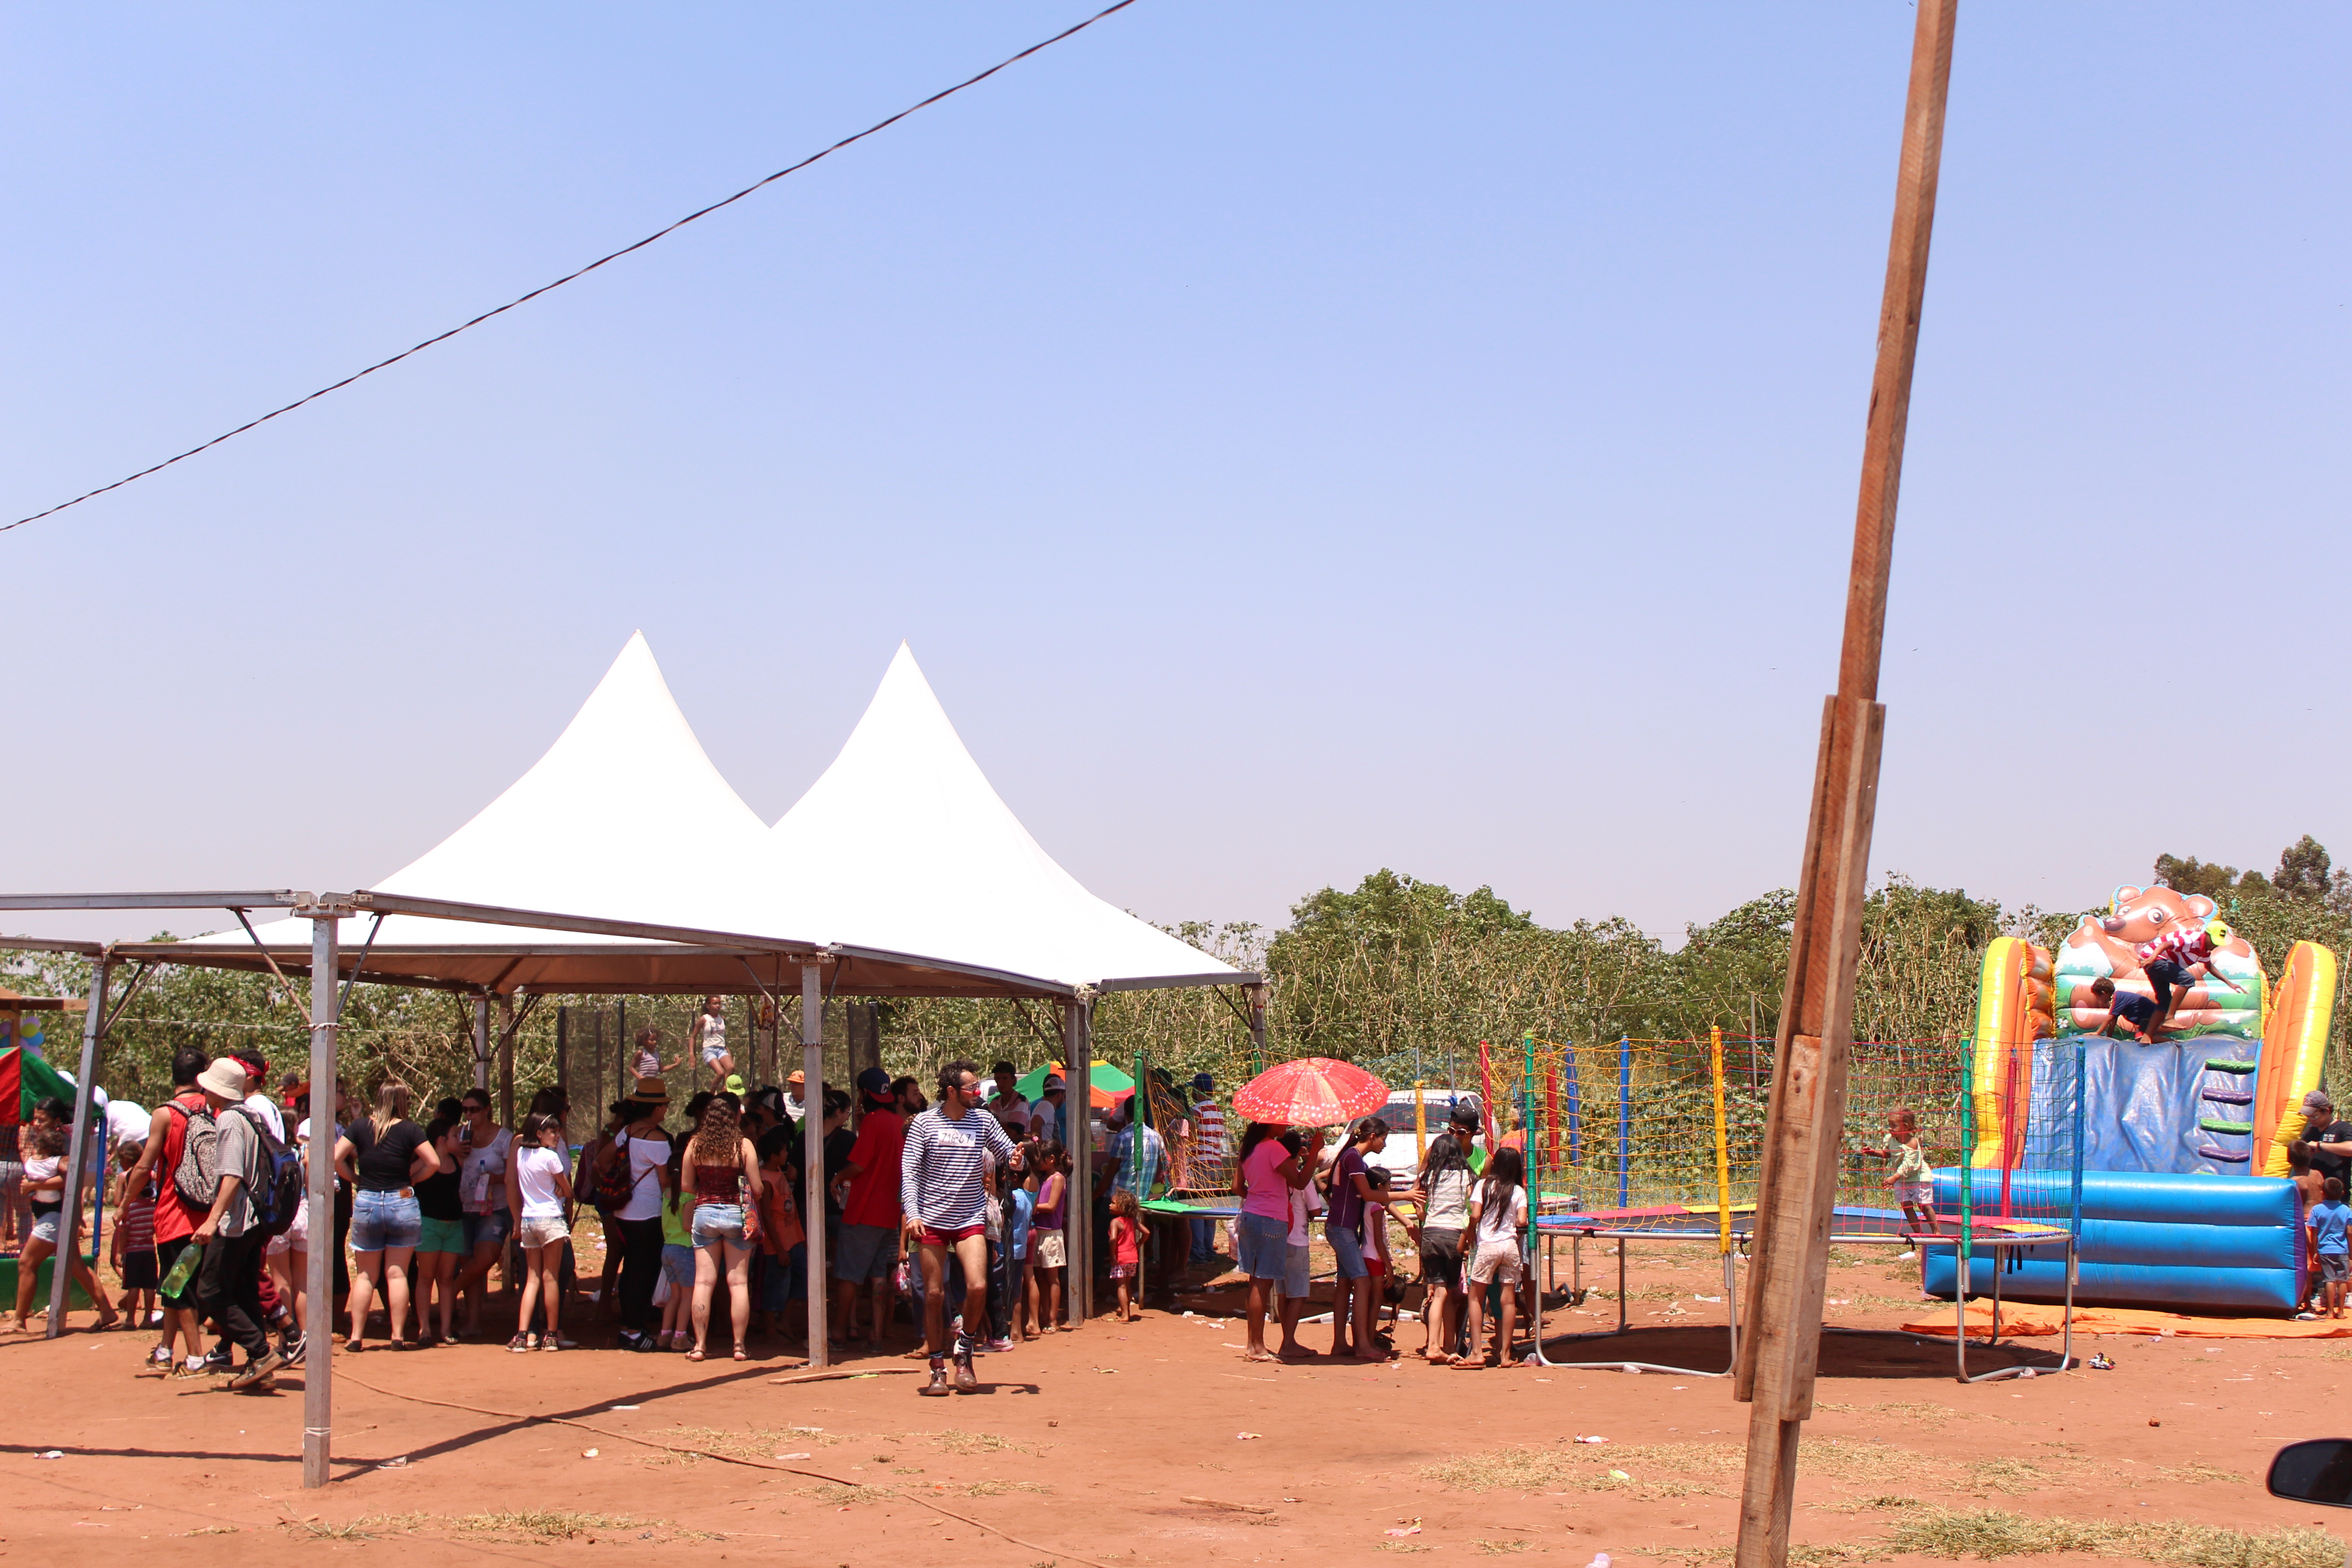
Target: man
{"type": "Point", "coordinates": [796, 1096]}
{"type": "Point", "coordinates": [866, 1251]}
{"type": "Point", "coordinates": [1132, 1156]}
{"type": "Point", "coordinates": [1045, 1110]}
{"type": "Point", "coordinates": [1005, 1100]}
{"type": "Point", "coordinates": [2325, 1141]}
{"type": "Point", "coordinates": [1210, 1169]}
{"type": "Point", "coordinates": [159, 1160]}
{"type": "Point", "coordinates": [943, 1195]}
{"type": "Point", "coordinates": [229, 1278]}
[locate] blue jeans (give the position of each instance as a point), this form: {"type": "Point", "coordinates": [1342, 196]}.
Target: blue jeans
{"type": "Point", "coordinates": [1348, 1250]}
{"type": "Point", "coordinates": [1204, 1240]}
{"type": "Point", "coordinates": [382, 1220]}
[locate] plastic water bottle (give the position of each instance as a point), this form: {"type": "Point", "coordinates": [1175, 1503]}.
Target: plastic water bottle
{"type": "Point", "coordinates": [184, 1269]}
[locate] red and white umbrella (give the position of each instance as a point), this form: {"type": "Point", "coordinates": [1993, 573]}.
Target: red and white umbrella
{"type": "Point", "coordinates": [1313, 1091]}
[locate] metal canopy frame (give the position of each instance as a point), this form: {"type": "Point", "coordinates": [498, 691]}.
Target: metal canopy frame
{"type": "Point", "coordinates": [666, 959]}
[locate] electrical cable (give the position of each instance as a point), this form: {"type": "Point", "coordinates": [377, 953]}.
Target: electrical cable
{"type": "Point", "coordinates": [583, 272]}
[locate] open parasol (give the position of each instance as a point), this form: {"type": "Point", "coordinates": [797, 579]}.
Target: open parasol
{"type": "Point", "coordinates": [1313, 1091]}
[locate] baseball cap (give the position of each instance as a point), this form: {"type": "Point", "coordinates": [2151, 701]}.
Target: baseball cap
{"type": "Point", "coordinates": [2317, 1100]}
{"type": "Point", "coordinates": [2219, 930]}
{"type": "Point", "coordinates": [1052, 1082]}
{"type": "Point", "coordinates": [874, 1081]}
{"type": "Point", "coordinates": [1203, 1083]}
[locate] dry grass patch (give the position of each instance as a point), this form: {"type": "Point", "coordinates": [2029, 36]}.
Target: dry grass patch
{"type": "Point", "coordinates": [1500, 1548]}
{"type": "Point", "coordinates": [2199, 1475]}
{"type": "Point", "coordinates": [837, 1495]}
{"type": "Point", "coordinates": [1648, 1469]}
{"type": "Point", "coordinates": [1995, 1532]}
{"type": "Point", "coordinates": [751, 1443]}
{"type": "Point", "coordinates": [521, 1525]}
{"type": "Point", "coordinates": [998, 1488]}
{"type": "Point", "coordinates": [2020, 1477]}
{"type": "Point", "coordinates": [1861, 1460]}
{"type": "Point", "coordinates": [1877, 1502]}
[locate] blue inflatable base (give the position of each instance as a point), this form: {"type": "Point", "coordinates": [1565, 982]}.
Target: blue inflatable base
{"type": "Point", "coordinates": [2176, 1243]}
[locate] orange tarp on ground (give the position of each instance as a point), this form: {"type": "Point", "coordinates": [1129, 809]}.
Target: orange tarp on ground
{"type": "Point", "coordinates": [2027, 1319]}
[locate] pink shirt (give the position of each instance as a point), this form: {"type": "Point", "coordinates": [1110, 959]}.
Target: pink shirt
{"type": "Point", "coordinates": [1267, 1194]}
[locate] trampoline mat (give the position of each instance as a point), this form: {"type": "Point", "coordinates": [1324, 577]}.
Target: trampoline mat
{"type": "Point", "coordinates": [1675, 1222]}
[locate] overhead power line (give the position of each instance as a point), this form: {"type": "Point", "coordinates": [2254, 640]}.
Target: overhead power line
{"type": "Point", "coordinates": [583, 272]}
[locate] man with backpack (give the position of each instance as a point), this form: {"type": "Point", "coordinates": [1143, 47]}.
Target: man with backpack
{"type": "Point", "coordinates": [235, 1233]}
{"type": "Point", "coordinates": [162, 1156]}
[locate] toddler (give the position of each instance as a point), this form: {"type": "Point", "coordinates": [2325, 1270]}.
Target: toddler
{"type": "Point", "coordinates": [2331, 1245]}
{"type": "Point", "coordinates": [1913, 1179]}
{"type": "Point", "coordinates": [1126, 1251]}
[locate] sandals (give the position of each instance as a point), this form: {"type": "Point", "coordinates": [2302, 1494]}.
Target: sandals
{"type": "Point", "coordinates": [353, 1347]}
{"type": "Point", "coordinates": [694, 1354]}
{"type": "Point", "coordinates": [740, 1354]}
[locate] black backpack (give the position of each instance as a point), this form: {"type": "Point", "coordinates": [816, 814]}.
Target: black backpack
{"type": "Point", "coordinates": [195, 1178]}
{"type": "Point", "coordinates": [275, 1183]}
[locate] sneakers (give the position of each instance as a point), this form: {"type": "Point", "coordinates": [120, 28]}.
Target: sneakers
{"type": "Point", "coordinates": [257, 1373]}
{"type": "Point", "coordinates": [290, 1353]}
{"type": "Point", "coordinates": [521, 1343]}
{"type": "Point", "coordinates": [191, 1369]}
{"type": "Point", "coordinates": [938, 1386]}
{"type": "Point", "coordinates": [1000, 1344]}
{"type": "Point", "coordinates": [966, 1380]}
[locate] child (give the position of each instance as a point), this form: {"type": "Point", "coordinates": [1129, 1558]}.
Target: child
{"type": "Point", "coordinates": [1377, 1265]}
{"type": "Point", "coordinates": [2311, 1191]}
{"type": "Point", "coordinates": [2137, 1012]}
{"type": "Point", "coordinates": [676, 1290]}
{"type": "Point", "coordinates": [1498, 1207]}
{"type": "Point", "coordinates": [45, 1187]}
{"type": "Point", "coordinates": [784, 1243]}
{"type": "Point", "coordinates": [1913, 1179]}
{"type": "Point", "coordinates": [1048, 1250]}
{"type": "Point", "coordinates": [133, 1252]}
{"type": "Point", "coordinates": [1125, 1250]}
{"type": "Point", "coordinates": [2331, 1243]}
{"type": "Point", "coordinates": [1020, 1207]}
{"type": "Point", "coordinates": [538, 1187]}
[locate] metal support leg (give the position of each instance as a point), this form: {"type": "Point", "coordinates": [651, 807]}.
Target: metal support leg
{"type": "Point", "coordinates": [812, 1156]}
{"type": "Point", "coordinates": [78, 1154]}
{"type": "Point", "coordinates": [318, 1323]}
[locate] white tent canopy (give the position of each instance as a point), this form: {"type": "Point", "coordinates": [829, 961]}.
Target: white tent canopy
{"type": "Point", "coordinates": [903, 845]}
{"type": "Point", "coordinates": [902, 848]}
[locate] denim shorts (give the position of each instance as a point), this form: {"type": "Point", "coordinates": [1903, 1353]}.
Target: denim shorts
{"type": "Point", "coordinates": [1347, 1247]}
{"type": "Point", "coordinates": [866, 1252]}
{"type": "Point", "coordinates": [678, 1265]}
{"type": "Point", "coordinates": [45, 1227]}
{"type": "Point", "coordinates": [716, 1222]}
{"type": "Point", "coordinates": [380, 1220]}
{"type": "Point", "coordinates": [489, 1229]}
{"type": "Point", "coordinates": [1262, 1245]}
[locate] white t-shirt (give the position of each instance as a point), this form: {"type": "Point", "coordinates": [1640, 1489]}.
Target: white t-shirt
{"type": "Point", "coordinates": [1306, 1203]}
{"type": "Point", "coordinates": [1013, 1111]}
{"type": "Point", "coordinates": [482, 1176]}
{"type": "Point", "coordinates": [711, 1034]}
{"type": "Point", "coordinates": [535, 1173]}
{"type": "Point", "coordinates": [645, 1155]}
{"type": "Point", "coordinates": [261, 1105]}
{"type": "Point", "coordinates": [1496, 1230]}
{"type": "Point", "coordinates": [1449, 1200]}
{"type": "Point", "coordinates": [125, 1123]}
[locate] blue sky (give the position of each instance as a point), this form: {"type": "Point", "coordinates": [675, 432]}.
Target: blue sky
{"type": "Point", "coordinates": [1294, 440]}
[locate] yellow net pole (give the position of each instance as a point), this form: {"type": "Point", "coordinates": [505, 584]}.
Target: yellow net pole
{"type": "Point", "coordinates": [1420, 1123]}
{"type": "Point", "coordinates": [1722, 1146]}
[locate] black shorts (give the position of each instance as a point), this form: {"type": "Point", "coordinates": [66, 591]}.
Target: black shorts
{"type": "Point", "coordinates": [139, 1272]}
{"type": "Point", "coordinates": [167, 1253]}
{"type": "Point", "coordinates": [1441, 1258]}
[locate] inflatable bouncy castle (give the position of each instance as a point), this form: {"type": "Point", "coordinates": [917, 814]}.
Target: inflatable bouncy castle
{"type": "Point", "coordinates": [2182, 1143]}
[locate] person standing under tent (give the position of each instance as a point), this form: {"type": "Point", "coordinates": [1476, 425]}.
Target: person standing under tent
{"type": "Point", "coordinates": [942, 1189]}
{"type": "Point", "coordinates": [485, 1148]}
{"type": "Point", "coordinates": [1048, 1245]}
{"type": "Point", "coordinates": [1442, 1198]}
{"type": "Point", "coordinates": [1270, 1170]}
{"type": "Point", "coordinates": [631, 1179]}
{"type": "Point", "coordinates": [159, 1160]}
{"type": "Point", "coordinates": [720, 1171]}
{"type": "Point", "coordinates": [1208, 1169]}
{"type": "Point", "coordinates": [1045, 1110]}
{"type": "Point", "coordinates": [1005, 1100]}
{"type": "Point", "coordinates": [383, 1156]}
{"type": "Point", "coordinates": [229, 1278]}
{"type": "Point", "coordinates": [710, 1040]}
{"type": "Point", "coordinates": [441, 1228]}
{"type": "Point", "coordinates": [868, 1192]}
{"type": "Point", "coordinates": [1343, 1227]}
{"type": "Point", "coordinates": [536, 1190]}
{"type": "Point", "coordinates": [2180, 958]}
{"type": "Point", "coordinates": [796, 1095]}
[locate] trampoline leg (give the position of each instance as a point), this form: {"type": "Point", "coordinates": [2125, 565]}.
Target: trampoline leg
{"type": "Point", "coordinates": [1621, 1284]}
{"type": "Point", "coordinates": [1731, 1303]}
{"type": "Point", "coordinates": [1960, 1313]}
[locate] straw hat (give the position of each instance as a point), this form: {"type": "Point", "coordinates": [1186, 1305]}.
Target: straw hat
{"type": "Point", "coordinates": [650, 1091]}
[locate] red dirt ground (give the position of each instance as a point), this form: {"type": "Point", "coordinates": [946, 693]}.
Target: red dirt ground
{"type": "Point", "coordinates": [1096, 1447]}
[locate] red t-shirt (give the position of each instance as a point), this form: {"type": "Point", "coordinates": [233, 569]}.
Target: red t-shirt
{"type": "Point", "coordinates": [874, 1193]}
{"type": "Point", "coordinates": [174, 1220]}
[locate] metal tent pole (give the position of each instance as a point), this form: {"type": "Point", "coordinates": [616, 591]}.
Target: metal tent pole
{"type": "Point", "coordinates": [506, 1060]}
{"type": "Point", "coordinates": [78, 1154]}
{"type": "Point", "coordinates": [1079, 1227]}
{"type": "Point", "coordinates": [319, 1284]}
{"type": "Point", "coordinates": [1257, 1028]}
{"type": "Point", "coordinates": [813, 1154]}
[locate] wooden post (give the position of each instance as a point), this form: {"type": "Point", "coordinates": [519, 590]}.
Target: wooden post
{"type": "Point", "coordinates": [1778, 1355]}
{"type": "Point", "coordinates": [864, 1038]}
{"type": "Point", "coordinates": [506, 1060]}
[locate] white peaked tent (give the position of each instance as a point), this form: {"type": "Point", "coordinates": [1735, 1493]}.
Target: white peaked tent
{"type": "Point", "coordinates": [903, 845]}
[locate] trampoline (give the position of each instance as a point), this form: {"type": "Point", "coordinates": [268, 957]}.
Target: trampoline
{"type": "Point", "coordinates": [1732, 1231]}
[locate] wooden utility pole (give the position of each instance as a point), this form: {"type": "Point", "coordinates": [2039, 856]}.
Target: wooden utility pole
{"type": "Point", "coordinates": [1779, 1353]}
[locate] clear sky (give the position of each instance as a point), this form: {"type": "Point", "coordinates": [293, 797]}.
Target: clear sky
{"type": "Point", "coordinates": [1296, 439]}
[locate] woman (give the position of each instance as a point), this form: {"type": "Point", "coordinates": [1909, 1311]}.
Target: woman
{"type": "Point", "coordinates": [484, 1148]}
{"type": "Point", "coordinates": [636, 1173]}
{"type": "Point", "coordinates": [592, 1159]}
{"type": "Point", "coordinates": [720, 1167]}
{"type": "Point", "coordinates": [441, 1234]}
{"type": "Point", "coordinates": [1267, 1173]}
{"type": "Point", "coordinates": [536, 1190]}
{"type": "Point", "coordinates": [45, 1186]}
{"type": "Point", "coordinates": [710, 1039]}
{"type": "Point", "coordinates": [1441, 1194]}
{"type": "Point", "coordinates": [383, 1156]}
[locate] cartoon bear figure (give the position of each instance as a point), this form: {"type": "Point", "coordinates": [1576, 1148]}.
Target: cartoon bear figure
{"type": "Point", "coordinates": [2110, 946]}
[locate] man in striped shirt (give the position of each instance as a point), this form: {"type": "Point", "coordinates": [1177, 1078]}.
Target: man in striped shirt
{"type": "Point", "coordinates": [2177, 957]}
{"type": "Point", "coordinates": [943, 1195]}
{"type": "Point", "coordinates": [1209, 1168]}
